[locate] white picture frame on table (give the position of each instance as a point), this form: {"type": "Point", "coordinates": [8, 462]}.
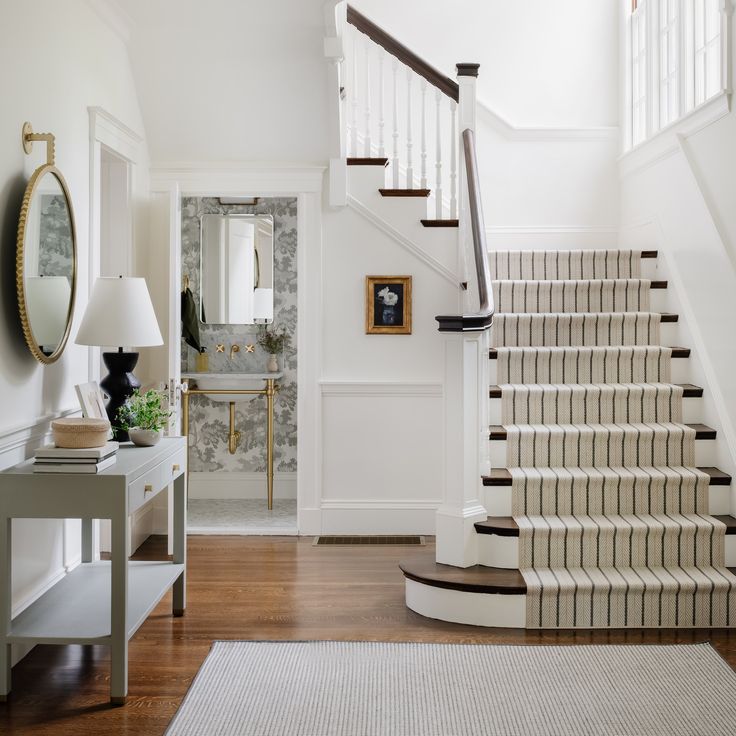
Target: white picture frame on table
{"type": "Point", "coordinates": [91, 399]}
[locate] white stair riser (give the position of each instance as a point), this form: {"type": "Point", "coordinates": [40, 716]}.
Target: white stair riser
{"type": "Point", "coordinates": [706, 451]}
{"type": "Point", "coordinates": [498, 499]}
{"type": "Point", "coordinates": [365, 181]}
{"type": "Point", "coordinates": [477, 609]}
{"type": "Point", "coordinates": [692, 410]}
{"type": "Point", "coordinates": [497, 551]}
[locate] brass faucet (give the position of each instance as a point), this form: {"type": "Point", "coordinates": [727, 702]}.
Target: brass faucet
{"type": "Point", "coordinates": [234, 349]}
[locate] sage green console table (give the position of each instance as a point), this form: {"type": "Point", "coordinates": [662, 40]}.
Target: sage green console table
{"type": "Point", "coordinates": [97, 602]}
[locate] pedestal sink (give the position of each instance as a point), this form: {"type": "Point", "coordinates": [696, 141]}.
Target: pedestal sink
{"type": "Point", "coordinates": [217, 386]}
{"type": "Point", "coordinates": [224, 381]}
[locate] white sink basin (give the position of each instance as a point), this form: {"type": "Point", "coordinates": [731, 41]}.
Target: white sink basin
{"type": "Point", "coordinates": [229, 381]}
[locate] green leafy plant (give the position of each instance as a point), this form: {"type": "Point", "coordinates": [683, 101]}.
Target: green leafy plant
{"type": "Point", "coordinates": [272, 341]}
{"type": "Point", "coordinates": [145, 411]}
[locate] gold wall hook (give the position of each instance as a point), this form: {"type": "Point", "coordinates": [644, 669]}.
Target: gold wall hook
{"type": "Point", "coordinates": [28, 136]}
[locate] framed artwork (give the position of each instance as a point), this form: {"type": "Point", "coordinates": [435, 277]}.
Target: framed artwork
{"type": "Point", "coordinates": [92, 400]}
{"type": "Point", "coordinates": [388, 305]}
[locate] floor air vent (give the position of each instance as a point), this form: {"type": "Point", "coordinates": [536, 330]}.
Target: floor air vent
{"type": "Point", "coordinates": [366, 541]}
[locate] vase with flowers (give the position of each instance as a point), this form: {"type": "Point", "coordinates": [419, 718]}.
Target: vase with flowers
{"type": "Point", "coordinates": [273, 341]}
{"type": "Point", "coordinates": [388, 300]}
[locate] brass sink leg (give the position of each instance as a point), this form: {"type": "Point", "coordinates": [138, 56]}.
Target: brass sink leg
{"type": "Point", "coordinates": [233, 439]}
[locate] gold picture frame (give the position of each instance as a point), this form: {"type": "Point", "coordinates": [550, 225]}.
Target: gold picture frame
{"type": "Point", "coordinates": [388, 305]}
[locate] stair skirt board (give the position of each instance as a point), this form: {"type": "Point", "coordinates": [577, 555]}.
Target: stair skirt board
{"type": "Point", "coordinates": [611, 517]}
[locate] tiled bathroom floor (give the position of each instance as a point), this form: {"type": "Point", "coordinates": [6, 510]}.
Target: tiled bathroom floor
{"type": "Point", "coordinates": [241, 516]}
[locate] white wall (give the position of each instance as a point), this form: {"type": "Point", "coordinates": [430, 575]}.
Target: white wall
{"type": "Point", "coordinates": [542, 63]}
{"type": "Point", "coordinates": [56, 59]}
{"type": "Point", "coordinates": [227, 80]}
{"type": "Point", "coordinates": [677, 195]}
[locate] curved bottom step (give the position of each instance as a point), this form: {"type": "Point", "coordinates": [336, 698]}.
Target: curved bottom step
{"type": "Point", "coordinates": [478, 595]}
{"type": "Point", "coordinates": [461, 607]}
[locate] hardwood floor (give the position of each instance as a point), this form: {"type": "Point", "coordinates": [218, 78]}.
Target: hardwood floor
{"type": "Point", "coordinates": [252, 588]}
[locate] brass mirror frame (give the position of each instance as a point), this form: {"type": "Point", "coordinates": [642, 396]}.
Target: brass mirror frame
{"type": "Point", "coordinates": [38, 174]}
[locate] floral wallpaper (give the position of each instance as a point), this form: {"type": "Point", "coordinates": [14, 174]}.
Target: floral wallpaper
{"type": "Point", "coordinates": [209, 421]}
{"type": "Point", "coordinates": [55, 237]}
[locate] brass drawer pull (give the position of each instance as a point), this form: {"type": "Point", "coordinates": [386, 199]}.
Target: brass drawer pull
{"type": "Point", "coordinates": [148, 488]}
{"type": "Point", "coordinates": [175, 468]}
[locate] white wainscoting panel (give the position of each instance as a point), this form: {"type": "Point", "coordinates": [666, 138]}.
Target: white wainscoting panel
{"type": "Point", "coordinates": [382, 457]}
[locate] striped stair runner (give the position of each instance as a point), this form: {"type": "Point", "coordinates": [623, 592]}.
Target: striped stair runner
{"type": "Point", "coordinates": [614, 530]}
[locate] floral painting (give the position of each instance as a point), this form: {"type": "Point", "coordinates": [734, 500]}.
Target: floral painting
{"type": "Point", "coordinates": [388, 305]}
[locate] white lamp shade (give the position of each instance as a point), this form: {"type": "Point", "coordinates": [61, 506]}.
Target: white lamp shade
{"type": "Point", "coordinates": [47, 301]}
{"type": "Point", "coordinates": [119, 313]}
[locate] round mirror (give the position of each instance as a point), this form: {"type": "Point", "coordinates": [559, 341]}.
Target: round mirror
{"type": "Point", "coordinates": [46, 264]}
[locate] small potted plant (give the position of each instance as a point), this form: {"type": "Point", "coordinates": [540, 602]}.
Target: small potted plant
{"type": "Point", "coordinates": [144, 417]}
{"type": "Point", "coordinates": [273, 342]}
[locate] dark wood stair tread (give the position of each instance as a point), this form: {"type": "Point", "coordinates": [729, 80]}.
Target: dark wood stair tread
{"type": "Point", "coordinates": [475, 579]}
{"type": "Point", "coordinates": [676, 353]}
{"type": "Point", "coordinates": [505, 526]}
{"type": "Point", "coordinates": [702, 432]}
{"type": "Point", "coordinates": [502, 477]}
{"type": "Point", "coordinates": [368, 161]}
{"type": "Point", "coordinates": [440, 223]}
{"type": "Point", "coordinates": [658, 285]}
{"type": "Point", "coordinates": [649, 254]}
{"type": "Point", "coordinates": [404, 192]}
{"type": "Point", "coordinates": [689, 391]}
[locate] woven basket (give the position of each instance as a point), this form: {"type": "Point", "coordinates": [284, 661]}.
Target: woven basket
{"type": "Point", "coordinates": [79, 432]}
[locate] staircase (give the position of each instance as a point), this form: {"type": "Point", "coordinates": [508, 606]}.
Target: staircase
{"type": "Point", "coordinates": [580, 491]}
{"type": "Point", "coordinates": [600, 514]}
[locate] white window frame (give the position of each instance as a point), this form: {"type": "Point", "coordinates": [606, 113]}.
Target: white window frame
{"type": "Point", "coordinates": [681, 51]}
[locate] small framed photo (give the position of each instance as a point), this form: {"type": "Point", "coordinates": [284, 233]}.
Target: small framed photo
{"type": "Point", "coordinates": [388, 305]}
{"type": "Point", "coordinates": [92, 400]}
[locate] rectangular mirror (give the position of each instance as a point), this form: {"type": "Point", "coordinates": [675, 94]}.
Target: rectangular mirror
{"type": "Point", "coordinates": [236, 269]}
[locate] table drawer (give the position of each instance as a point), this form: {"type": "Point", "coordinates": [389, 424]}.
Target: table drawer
{"type": "Point", "coordinates": [143, 489]}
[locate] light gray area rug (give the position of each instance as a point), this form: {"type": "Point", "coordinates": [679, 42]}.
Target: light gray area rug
{"type": "Point", "coordinates": [327, 688]}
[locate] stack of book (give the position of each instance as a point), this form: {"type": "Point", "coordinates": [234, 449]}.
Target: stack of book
{"type": "Point", "coordinates": [52, 459]}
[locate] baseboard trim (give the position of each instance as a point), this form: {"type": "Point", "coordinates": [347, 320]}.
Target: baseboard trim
{"type": "Point", "coordinates": [234, 485]}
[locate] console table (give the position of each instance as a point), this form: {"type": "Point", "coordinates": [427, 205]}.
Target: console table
{"type": "Point", "coordinates": [98, 602]}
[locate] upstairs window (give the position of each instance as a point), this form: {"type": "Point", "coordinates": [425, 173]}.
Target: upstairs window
{"type": "Point", "coordinates": [676, 60]}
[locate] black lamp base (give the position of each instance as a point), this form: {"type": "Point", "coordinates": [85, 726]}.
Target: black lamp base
{"type": "Point", "coordinates": [119, 385]}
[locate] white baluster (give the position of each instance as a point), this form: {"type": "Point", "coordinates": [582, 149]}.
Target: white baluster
{"type": "Point", "coordinates": [381, 121]}
{"type": "Point", "coordinates": [354, 100]}
{"type": "Point", "coordinates": [453, 160]}
{"type": "Point", "coordinates": [367, 61]}
{"type": "Point", "coordinates": [395, 134]}
{"type": "Point", "coordinates": [409, 144]}
{"type": "Point", "coordinates": [423, 153]}
{"type": "Point", "coordinates": [438, 158]}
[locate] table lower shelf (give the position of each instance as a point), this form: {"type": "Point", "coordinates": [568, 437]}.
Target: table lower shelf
{"type": "Point", "coordinates": [77, 609]}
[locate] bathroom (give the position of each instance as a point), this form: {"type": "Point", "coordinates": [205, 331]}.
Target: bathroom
{"type": "Point", "coordinates": [228, 460]}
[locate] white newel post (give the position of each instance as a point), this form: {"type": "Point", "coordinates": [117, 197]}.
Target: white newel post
{"type": "Point", "coordinates": [467, 75]}
{"type": "Point", "coordinates": [465, 443]}
{"type": "Point", "coordinates": [466, 406]}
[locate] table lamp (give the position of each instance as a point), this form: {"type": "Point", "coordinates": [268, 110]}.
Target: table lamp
{"type": "Point", "coordinates": [119, 312]}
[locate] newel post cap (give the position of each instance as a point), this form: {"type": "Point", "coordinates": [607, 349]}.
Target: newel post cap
{"type": "Point", "coordinates": [467, 69]}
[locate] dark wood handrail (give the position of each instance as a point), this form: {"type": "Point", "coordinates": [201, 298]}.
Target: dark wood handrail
{"type": "Point", "coordinates": [403, 54]}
